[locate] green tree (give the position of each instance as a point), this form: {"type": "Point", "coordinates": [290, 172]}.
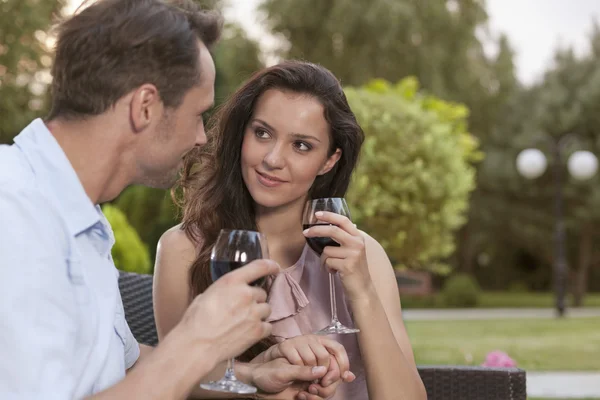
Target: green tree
{"type": "Point", "coordinates": [412, 185]}
{"type": "Point", "coordinates": [500, 113]}
{"type": "Point", "coordinates": [359, 40]}
{"type": "Point", "coordinates": [515, 217]}
{"type": "Point", "coordinates": [24, 61]}
{"type": "Point", "coordinates": [150, 211]}
{"type": "Point", "coordinates": [237, 57]}
{"type": "Point", "coordinates": [129, 252]}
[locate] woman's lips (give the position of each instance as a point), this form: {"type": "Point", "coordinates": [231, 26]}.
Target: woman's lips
{"type": "Point", "coordinates": [268, 180]}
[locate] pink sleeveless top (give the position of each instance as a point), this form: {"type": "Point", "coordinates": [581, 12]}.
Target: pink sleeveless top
{"type": "Point", "coordinates": [300, 304]}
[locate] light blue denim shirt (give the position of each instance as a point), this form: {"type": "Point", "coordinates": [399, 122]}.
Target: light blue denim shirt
{"type": "Point", "coordinates": [63, 333]}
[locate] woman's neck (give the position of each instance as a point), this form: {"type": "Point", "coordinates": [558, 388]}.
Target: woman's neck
{"type": "Point", "coordinates": [283, 228]}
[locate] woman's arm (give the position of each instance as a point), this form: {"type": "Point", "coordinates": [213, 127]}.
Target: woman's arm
{"type": "Point", "coordinates": [370, 286]}
{"type": "Point", "coordinates": [384, 343]}
{"type": "Point", "coordinates": [171, 291]}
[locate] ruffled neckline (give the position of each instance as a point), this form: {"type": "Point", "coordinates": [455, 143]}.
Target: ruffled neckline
{"type": "Point", "coordinates": [286, 297]}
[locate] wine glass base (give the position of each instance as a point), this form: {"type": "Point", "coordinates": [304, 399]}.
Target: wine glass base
{"type": "Point", "coordinates": [229, 386]}
{"type": "Point", "coordinates": [336, 328]}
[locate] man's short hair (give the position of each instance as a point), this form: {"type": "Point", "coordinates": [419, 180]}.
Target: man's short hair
{"type": "Point", "coordinates": [113, 46]}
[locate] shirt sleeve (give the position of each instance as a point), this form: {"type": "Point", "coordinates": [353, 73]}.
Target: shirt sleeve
{"type": "Point", "coordinates": [38, 323]}
{"type": "Point", "coordinates": [130, 344]}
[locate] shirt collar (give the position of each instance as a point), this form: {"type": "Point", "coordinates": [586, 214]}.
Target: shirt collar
{"type": "Point", "coordinates": [56, 177]}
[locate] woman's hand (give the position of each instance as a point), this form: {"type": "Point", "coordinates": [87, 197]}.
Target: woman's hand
{"type": "Point", "coordinates": [329, 383]}
{"type": "Point", "coordinates": [314, 350]}
{"type": "Point", "coordinates": [350, 258]}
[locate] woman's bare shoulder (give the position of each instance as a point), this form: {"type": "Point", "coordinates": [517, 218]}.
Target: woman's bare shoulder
{"type": "Point", "coordinates": [175, 247]}
{"type": "Point", "coordinates": [176, 237]}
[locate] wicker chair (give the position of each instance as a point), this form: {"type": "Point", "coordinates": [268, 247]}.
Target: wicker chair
{"type": "Point", "coordinates": [441, 382]}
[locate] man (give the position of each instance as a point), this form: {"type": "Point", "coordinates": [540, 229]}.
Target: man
{"type": "Point", "coordinates": [132, 79]}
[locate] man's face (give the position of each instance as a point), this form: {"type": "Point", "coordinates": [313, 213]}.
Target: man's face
{"type": "Point", "coordinates": [179, 130]}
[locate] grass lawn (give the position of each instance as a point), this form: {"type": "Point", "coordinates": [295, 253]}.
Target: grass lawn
{"type": "Point", "coordinates": [544, 344]}
{"type": "Point", "coordinates": [500, 300]}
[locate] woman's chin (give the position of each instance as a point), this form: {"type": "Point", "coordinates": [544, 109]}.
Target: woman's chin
{"type": "Point", "coordinates": [270, 201]}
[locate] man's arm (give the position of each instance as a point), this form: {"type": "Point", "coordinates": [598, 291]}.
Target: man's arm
{"type": "Point", "coordinates": [219, 324]}
{"type": "Point", "coordinates": [145, 352]}
{"type": "Point", "coordinates": [168, 371]}
{"type": "Point", "coordinates": [280, 379]}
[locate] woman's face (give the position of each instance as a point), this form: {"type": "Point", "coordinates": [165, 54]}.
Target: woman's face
{"type": "Point", "coordinates": [285, 148]}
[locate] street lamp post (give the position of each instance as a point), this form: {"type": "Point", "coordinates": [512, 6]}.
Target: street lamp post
{"type": "Point", "coordinates": [582, 165]}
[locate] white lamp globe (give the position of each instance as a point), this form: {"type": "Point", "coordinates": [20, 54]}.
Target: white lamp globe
{"type": "Point", "coordinates": [531, 163]}
{"type": "Point", "coordinates": [582, 165]}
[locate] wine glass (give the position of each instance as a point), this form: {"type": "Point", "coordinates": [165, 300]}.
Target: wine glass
{"type": "Point", "coordinates": [234, 249]}
{"type": "Point", "coordinates": [335, 205]}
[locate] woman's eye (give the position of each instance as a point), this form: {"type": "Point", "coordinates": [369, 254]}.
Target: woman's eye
{"type": "Point", "coordinates": [261, 133]}
{"type": "Point", "coordinates": [303, 146]}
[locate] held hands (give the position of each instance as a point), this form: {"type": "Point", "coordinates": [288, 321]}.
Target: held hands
{"type": "Point", "coordinates": [326, 357]}
{"type": "Point", "coordinates": [350, 258]}
{"type": "Point", "coordinates": [229, 316]}
{"type": "Point", "coordinates": [278, 379]}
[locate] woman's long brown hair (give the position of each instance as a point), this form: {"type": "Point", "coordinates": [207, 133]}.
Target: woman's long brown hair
{"type": "Point", "coordinates": [214, 196]}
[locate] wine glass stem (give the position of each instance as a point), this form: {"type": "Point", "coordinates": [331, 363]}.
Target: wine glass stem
{"type": "Point", "coordinates": [229, 373]}
{"type": "Point", "coordinates": [334, 317]}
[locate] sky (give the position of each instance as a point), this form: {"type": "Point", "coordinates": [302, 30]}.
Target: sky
{"type": "Point", "coordinates": [534, 27]}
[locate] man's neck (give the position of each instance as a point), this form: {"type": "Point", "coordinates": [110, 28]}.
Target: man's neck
{"type": "Point", "coordinates": [93, 149]}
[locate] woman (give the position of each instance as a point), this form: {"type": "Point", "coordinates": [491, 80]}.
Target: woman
{"type": "Point", "coordinates": [286, 136]}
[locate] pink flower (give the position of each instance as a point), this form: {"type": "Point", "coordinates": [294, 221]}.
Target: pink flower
{"type": "Point", "coordinates": [498, 359]}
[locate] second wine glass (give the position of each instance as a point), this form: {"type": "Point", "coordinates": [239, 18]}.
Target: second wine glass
{"type": "Point", "coordinates": [338, 206]}
{"type": "Point", "coordinates": [234, 249]}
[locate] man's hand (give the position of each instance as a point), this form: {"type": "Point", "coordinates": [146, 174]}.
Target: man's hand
{"type": "Point", "coordinates": [229, 316]}
{"type": "Point", "coordinates": [278, 379]}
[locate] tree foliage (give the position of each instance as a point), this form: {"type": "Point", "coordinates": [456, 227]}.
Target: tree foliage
{"type": "Point", "coordinates": [514, 219]}
{"type": "Point", "coordinates": [129, 252]}
{"type": "Point", "coordinates": [412, 184]}
{"type": "Point", "coordinates": [24, 61]}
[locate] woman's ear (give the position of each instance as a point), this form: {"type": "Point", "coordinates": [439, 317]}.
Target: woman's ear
{"type": "Point", "coordinates": [331, 161]}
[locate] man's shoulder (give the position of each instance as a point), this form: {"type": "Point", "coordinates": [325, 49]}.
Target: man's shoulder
{"type": "Point", "coordinates": [33, 235]}
{"type": "Point", "coordinates": [15, 172]}
{"type": "Point", "coordinates": [24, 207]}
{"type": "Point", "coordinates": [17, 183]}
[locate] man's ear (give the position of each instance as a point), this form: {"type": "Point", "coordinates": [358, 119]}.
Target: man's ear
{"type": "Point", "coordinates": [145, 105]}
{"type": "Point", "coordinates": [331, 161]}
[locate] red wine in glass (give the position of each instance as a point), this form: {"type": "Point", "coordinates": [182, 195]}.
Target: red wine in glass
{"type": "Point", "coordinates": [232, 250]}
{"type": "Point", "coordinates": [335, 205]}
{"type": "Point", "coordinates": [318, 244]}
{"type": "Point", "coordinates": [218, 268]}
